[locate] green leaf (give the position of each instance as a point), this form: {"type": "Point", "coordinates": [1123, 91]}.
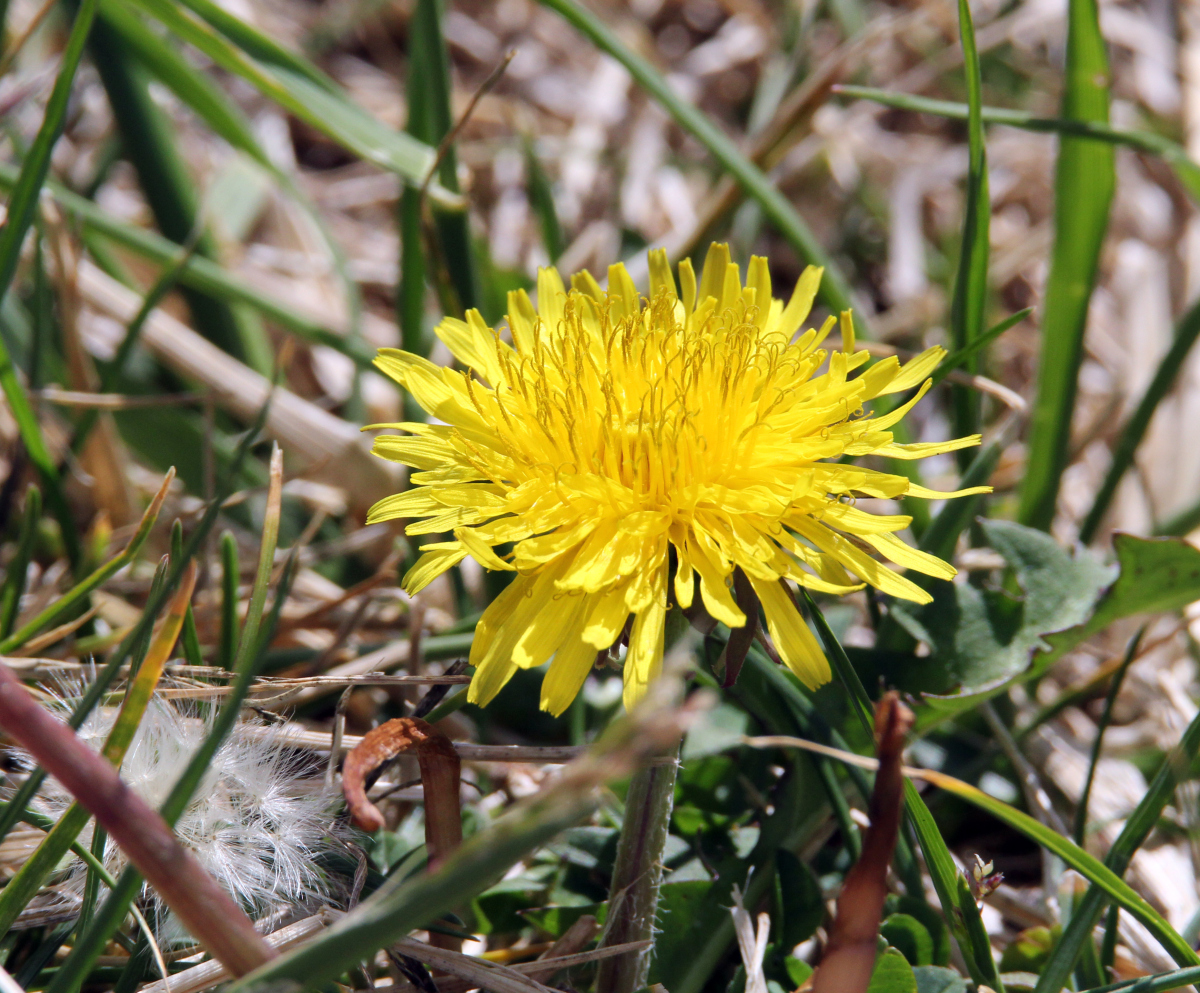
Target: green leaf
{"type": "Point", "coordinates": [1029, 951]}
{"type": "Point", "coordinates": [801, 903]}
{"type": "Point", "coordinates": [1156, 575]}
{"type": "Point", "coordinates": [715, 731]}
{"type": "Point", "coordinates": [835, 291]}
{"type": "Point", "coordinates": [930, 919]}
{"type": "Point", "coordinates": [908, 936]}
{"type": "Point", "coordinates": [967, 910]}
{"type": "Point", "coordinates": [1084, 183]}
{"type": "Point", "coordinates": [556, 920]}
{"type": "Point", "coordinates": [797, 970]}
{"type": "Point", "coordinates": [17, 570]}
{"type": "Point", "coordinates": [892, 974]}
{"type": "Point", "coordinates": [934, 979]}
{"type": "Point", "coordinates": [681, 925]}
{"type": "Point", "coordinates": [983, 637]}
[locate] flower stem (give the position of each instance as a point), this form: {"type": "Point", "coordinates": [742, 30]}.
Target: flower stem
{"type": "Point", "coordinates": [637, 873]}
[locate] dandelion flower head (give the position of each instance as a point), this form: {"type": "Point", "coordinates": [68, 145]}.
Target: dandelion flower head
{"type": "Point", "coordinates": [616, 430]}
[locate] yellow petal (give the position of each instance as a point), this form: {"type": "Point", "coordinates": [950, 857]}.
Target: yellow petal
{"type": "Point", "coordinates": [643, 661]}
{"type": "Point", "coordinates": [568, 670]}
{"type": "Point", "coordinates": [437, 559]}
{"type": "Point", "coordinates": [548, 629]}
{"type": "Point", "coordinates": [661, 280]}
{"type": "Point", "coordinates": [799, 306]}
{"type": "Point", "coordinates": [911, 558]}
{"type": "Point", "coordinates": [792, 638]}
{"type": "Point", "coordinates": [480, 551]}
{"type": "Point", "coordinates": [606, 620]}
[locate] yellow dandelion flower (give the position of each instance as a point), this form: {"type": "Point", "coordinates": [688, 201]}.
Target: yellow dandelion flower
{"type": "Point", "coordinates": [614, 429]}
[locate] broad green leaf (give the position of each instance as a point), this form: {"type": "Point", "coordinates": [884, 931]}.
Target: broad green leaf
{"type": "Point", "coordinates": [909, 937]}
{"type": "Point", "coordinates": [715, 731]}
{"type": "Point", "coordinates": [892, 974]}
{"type": "Point", "coordinates": [935, 979]}
{"type": "Point", "coordinates": [1083, 189]}
{"type": "Point", "coordinates": [930, 918]}
{"type": "Point", "coordinates": [1156, 574]}
{"type": "Point", "coordinates": [680, 923]}
{"type": "Point", "coordinates": [983, 637]}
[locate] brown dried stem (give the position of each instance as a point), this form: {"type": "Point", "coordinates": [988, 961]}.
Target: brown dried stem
{"type": "Point", "coordinates": [850, 955]}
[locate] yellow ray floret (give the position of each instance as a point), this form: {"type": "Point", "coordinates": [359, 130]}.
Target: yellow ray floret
{"type": "Point", "coordinates": [605, 431]}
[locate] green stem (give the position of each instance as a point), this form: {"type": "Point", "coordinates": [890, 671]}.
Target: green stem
{"type": "Point", "coordinates": [637, 875]}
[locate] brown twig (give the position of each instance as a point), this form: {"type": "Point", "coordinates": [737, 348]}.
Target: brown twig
{"type": "Point", "coordinates": [850, 955]}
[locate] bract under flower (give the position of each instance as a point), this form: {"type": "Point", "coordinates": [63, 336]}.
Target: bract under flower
{"type": "Point", "coordinates": [614, 428]}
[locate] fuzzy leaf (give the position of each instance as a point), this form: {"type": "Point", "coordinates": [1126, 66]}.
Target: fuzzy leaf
{"type": "Point", "coordinates": [934, 979]}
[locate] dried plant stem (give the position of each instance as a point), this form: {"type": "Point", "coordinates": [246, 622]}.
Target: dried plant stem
{"type": "Point", "coordinates": [637, 874]}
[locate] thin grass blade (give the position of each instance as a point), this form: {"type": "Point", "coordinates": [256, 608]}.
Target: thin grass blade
{"type": "Point", "coordinates": [1186, 333]}
{"type": "Point", "coordinates": [835, 290]}
{"type": "Point", "coordinates": [970, 284]}
{"type": "Point", "coordinates": [18, 567]}
{"type": "Point", "coordinates": [21, 209]}
{"type": "Point", "coordinates": [1084, 184]}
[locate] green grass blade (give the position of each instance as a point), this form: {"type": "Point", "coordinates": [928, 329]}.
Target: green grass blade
{"type": "Point", "coordinates": [1187, 171]}
{"type": "Point", "coordinates": [960, 358]}
{"type": "Point", "coordinates": [226, 119]}
{"type": "Point", "coordinates": [198, 273]}
{"type": "Point", "coordinates": [835, 291]}
{"type": "Point", "coordinates": [430, 121]}
{"type": "Point", "coordinates": [76, 595]}
{"type": "Point", "coordinates": [24, 885]}
{"type": "Point", "coordinates": [1135, 428]}
{"type": "Point", "coordinates": [327, 110]}
{"type": "Point", "coordinates": [541, 198]}
{"type": "Point", "coordinates": [976, 933]}
{"type": "Point", "coordinates": [1103, 878]}
{"type": "Point", "coordinates": [1079, 831]}
{"type": "Point", "coordinates": [969, 302]}
{"type": "Point", "coordinates": [152, 148]}
{"type": "Point", "coordinates": [1084, 184]}
{"type": "Point", "coordinates": [1133, 834]}
{"type": "Point", "coordinates": [1158, 983]}
{"type": "Point", "coordinates": [89, 945]}
{"type": "Point", "coordinates": [410, 294]}
{"type": "Point", "coordinates": [18, 566]}
{"type": "Point", "coordinates": [937, 855]}
{"type": "Point", "coordinates": [21, 210]}
{"type": "Point", "coordinates": [230, 576]}
{"type": "Point", "coordinates": [11, 812]}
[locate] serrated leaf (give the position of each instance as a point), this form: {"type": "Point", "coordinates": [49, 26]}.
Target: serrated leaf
{"type": "Point", "coordinates": [1156, 574]}
{"type": "Point", "coordinates": [982, 637]}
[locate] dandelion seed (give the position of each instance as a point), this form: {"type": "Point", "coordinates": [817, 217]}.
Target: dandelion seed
{"type": "Point", "coordinates": [261, 822]}
{"type": "Point", "coordinates": [615, 429]}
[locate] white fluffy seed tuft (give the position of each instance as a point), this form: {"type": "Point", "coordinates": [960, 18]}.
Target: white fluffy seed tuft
{"type": "Point", "coordinates": [261, 822]}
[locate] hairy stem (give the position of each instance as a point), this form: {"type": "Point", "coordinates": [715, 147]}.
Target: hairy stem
{"type": "Point", "coordinates": [637, 873]}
